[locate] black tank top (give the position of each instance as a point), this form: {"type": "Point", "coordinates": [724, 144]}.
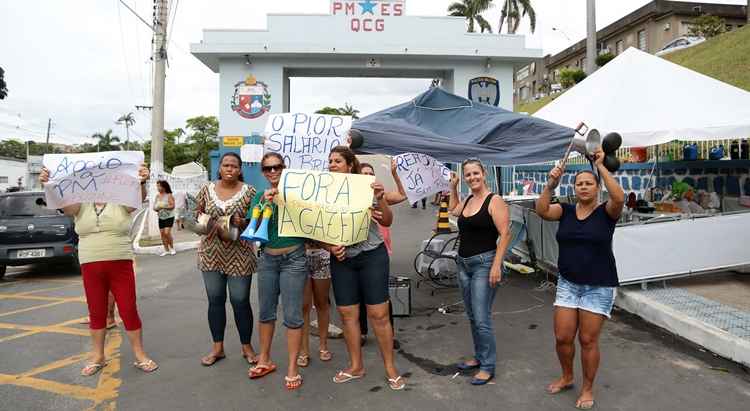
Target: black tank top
{"type": "Point", "coordinates": [477, 234]}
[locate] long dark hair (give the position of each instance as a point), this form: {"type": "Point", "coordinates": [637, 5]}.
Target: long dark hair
{"type": "Point", "coordinates": [165, 185]}
{"type": "Point", "coordinates": [349, 157]}
{"type": "Point", "coordinates": [239, 161]}
{"type": "Point", "coordinates": [272, 154]}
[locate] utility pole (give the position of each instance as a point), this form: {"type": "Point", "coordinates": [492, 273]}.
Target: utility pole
{"type": "Point", "coordinates": [590, 36]}
{"type": "Point", "coordinates": [161, 12]}
{"type": "Point", "coordinates": [49, 125]}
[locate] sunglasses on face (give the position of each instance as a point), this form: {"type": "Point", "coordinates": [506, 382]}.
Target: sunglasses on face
{"type": "Point", "coordinates": [272, 168]}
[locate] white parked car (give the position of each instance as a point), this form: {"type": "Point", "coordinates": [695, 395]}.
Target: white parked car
{"type": "Point", "coordinates": [680, 43]}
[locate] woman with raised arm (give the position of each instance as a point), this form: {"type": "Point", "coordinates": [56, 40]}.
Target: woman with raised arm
{"type": "Point", "coordinates": [282, 272]}
{"type": "Point", "coordinates": [360, 276]}
{"type": "Point", "coordinates": [587, 282]}
{"type": "Point", "coordinates": [106, 258]}
{"type": "Point", "coordinates": [482, 217]}
{"type": "Point", "coordinates": [227, 264]}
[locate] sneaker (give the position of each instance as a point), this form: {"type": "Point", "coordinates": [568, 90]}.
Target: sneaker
{"type": "Point", "coordinates": [172, 252]}
{"type": "Point", "coordinates": [163, 254]}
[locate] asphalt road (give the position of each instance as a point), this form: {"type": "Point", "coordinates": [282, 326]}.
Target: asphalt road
{"type": "Point", "coordinates": [43, 346]}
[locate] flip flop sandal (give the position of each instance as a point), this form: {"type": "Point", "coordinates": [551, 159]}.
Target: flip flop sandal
{"type": "Point", "coordinates": [92, 369]}
{"type": "Point", "coordinates": [585, 405]}
{"type": "Point", "coordinates": [342, 377]}
{"type": "Point", "coordinates": [557, 390]}
{"type": "Point", "coordinates": [293, 383]}
{"type": "Point", "coordinates": [146, 366]}
{"type": "Point", "coordinates": [303, 360]}
{"type": "Point", "coordinates": [261, 370]}
{"type": "Point", "coordinates": [250, 360]}
{"type": "Point", "coordinates": [211, 359]}
{"type": "Point", "coordinates": [396, 384]}
{"type": "Point", "coordinates": [325, 355]}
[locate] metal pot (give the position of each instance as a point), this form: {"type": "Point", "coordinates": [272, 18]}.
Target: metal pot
{"type": "Point", "coordinates": [226, 230]}
{"type": "Point", "coordinates": [202, 225]}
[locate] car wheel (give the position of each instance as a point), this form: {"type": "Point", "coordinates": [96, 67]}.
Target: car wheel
{"type": "Point", "coordinates": [2, 271]}
{"type": "Point", "coordinates": [75, 264]}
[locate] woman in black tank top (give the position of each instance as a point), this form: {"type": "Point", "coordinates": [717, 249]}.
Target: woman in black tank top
{"type": "Point", "coordinates": [482, 218]}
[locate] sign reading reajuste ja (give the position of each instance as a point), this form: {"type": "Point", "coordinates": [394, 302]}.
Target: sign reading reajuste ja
{"type": "Point", "coordinates": [332, 208]}
{"type": "Point", "coordinates": [107, 177]}
{"type": "Point", "coordinates": [305, 140]}
{"type": "Point", "coordinates": [421, 175]}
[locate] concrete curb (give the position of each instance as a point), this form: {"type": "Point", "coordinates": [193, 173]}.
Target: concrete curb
{"type": "Point", "coordinates": [712, 338]}
{"type": "Point", "coordinates": [140, 221]}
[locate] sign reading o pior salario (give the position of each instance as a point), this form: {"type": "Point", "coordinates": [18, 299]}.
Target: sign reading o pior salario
{"type": "Point", "coordinates": [368, 15]}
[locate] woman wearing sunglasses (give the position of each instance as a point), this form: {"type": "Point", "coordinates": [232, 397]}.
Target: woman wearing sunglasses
{"type": "Point", "coordinates": [360, 276]}
{"type": "Point", "coordinates": [482, 218]}
{"type": "Point", "coordinates": [282, 271]}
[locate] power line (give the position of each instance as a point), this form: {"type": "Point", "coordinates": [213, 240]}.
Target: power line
{"type": "Point", "coordinates": [124, 51]}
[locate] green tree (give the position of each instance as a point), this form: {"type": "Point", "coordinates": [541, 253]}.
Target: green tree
{"type": "Point", "coordinates": [707, 26]}
{"type": "Point", "coordinates": [106, 141]}
{"type": "Point", "coordinates": [3, 86]}
{"type": "Point", "coordinates": [513, 11]}
{"type": "Point", "coordinates": [349, 110]}
{"type": "Point", "coordinates": [203, 134]}
{"type": "Point", "coordinates": [570, 77]}
{"type": "Point", "coordinates": [604, 58]}
{"type": "Point", "coordinates": [127, 120]}
{"type": "Point", "coordinates": [329, 110]}
{"type": "Point", "coordinates": [13, 149]}
{"type": "Point", "coordinates": [471, 10]}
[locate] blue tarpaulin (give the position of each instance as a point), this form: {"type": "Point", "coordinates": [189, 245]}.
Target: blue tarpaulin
{"type": "Point", "coordinates": [451, 129]}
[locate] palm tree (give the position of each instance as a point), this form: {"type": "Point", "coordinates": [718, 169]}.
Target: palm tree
{"type": "Point", "coordinates": [512, 12]}
{"type": "Point", "coordinates": [471, 9]}
{"type": "Point", "coordinates": [128, 120]}
{"type": "Point", "coordinates": [107, 141]}
{"type": "Point", "coordinates": [349, 110]}
{"type": "Point", "coordinates": [3, 87]}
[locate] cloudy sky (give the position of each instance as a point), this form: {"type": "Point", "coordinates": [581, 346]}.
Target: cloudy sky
{"type": "Point", "coordinates": [84, 63]}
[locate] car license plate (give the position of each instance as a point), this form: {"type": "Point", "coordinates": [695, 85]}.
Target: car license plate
{"type": "Point", "coordinates": [41, 252]}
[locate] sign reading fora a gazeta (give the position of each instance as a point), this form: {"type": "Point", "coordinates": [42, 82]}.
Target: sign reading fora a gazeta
{"type": "Point", "coordinates": [233, 141]}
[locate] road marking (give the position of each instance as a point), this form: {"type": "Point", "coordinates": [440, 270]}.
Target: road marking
{"type": "Point", "coordinates": [59, 328]}
{"type": "Point", "coordinates": [39, 298]}
{"type": "Point", "coordinates": [36, 307]}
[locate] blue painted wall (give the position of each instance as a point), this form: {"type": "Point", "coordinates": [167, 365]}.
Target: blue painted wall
{"type": "Point", "coordinates": [250, 171]}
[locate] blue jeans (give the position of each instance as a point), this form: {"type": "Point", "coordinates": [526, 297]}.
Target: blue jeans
{"type": "Point", "coordinates": [239, 295]}
{"type": "Point", "coordinates": [283, 275]}
{"type": "Point", "coordinates": [474, 280]}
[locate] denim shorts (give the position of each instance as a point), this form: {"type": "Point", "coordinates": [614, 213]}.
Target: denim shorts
{"type": "Point", "coordinates": [283, 275]}
{"type": "Point", "coordinates": [592, 298]}
{"type": "Point", "coordinates": [362, 278]}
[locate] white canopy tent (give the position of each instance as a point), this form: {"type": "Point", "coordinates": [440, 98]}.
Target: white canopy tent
{"type": "Point", "coordinates": [650, 100]}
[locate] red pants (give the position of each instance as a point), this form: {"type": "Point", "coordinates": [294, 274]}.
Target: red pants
{"type": "Point", "coordinates": [101, 277]}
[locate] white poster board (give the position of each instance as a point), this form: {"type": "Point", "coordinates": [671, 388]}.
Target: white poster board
{"type": "Point", "coordinates": [107, 177]}
{"type": "Point", "coordinates": [305, 140]}
{"type": "Point", "coordinates": [421, 175]}
{"type": "Point", "coordinates": [251, 153]}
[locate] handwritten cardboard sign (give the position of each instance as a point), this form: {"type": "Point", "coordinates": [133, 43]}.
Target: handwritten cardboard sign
{"type": "Point", "coordinates": [107, 177]}
{"type": "Point", "coordinates": [305, 140]}
{"type": "Point", "coordinates": [421, 175]}
{"type": "Point", "coordinates": [330, 207]}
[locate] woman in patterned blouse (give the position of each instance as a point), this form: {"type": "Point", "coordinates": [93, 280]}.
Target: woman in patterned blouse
{"type": "Point", "coordinates": [227, 263]}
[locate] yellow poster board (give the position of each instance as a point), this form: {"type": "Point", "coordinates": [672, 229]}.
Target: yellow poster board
{"type": "Point", "coordinates": [233, 141]}
{"type": "Point", "coordinates": [333, 208]}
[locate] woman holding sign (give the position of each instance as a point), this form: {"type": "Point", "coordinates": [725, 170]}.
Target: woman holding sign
{"type": "Point", "coordinates": [482, 218]}
{"type": "Point", "coordinates": [588, 280]}
{"type": "Point", "coordinates": [360, 276]}
{"type": "Point", "coordinates": [227, 264]}
{"type": "Point", "coordinates": [106, 259]}
{"type": "Point", "coordinates": [282, 271]}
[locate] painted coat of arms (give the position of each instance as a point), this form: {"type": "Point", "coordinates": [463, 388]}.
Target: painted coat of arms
{"type": "Point", "coordinates": [484, 90]}
{"type": "Point", "coordinates": [251, 98]}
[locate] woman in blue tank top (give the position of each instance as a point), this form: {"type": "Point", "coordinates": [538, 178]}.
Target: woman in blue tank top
{"type": "Point", "coordinates": [482, 218]}
{"type": "Point", "coordinates": [587, 282]}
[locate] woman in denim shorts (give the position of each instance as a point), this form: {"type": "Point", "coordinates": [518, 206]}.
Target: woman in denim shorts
{"type": "Point", "coordinates": [482, 218]}
{"type": "Point", "coordinates": [360, 276]}
{"type": "Point", "coordinates": [282, 271]}
{"type": "Point", "coordinates": [587, 282]}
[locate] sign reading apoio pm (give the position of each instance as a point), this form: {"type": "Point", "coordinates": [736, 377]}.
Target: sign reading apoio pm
{"type": "Point", "coordinates": [368, 15]}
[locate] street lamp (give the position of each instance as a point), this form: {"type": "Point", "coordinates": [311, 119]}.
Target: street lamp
{"type": "Point", "coordinates": [561, 31]}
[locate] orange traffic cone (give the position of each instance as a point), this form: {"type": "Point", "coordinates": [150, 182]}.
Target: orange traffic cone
{"type": "Point", "coordinates": [443, 224]}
